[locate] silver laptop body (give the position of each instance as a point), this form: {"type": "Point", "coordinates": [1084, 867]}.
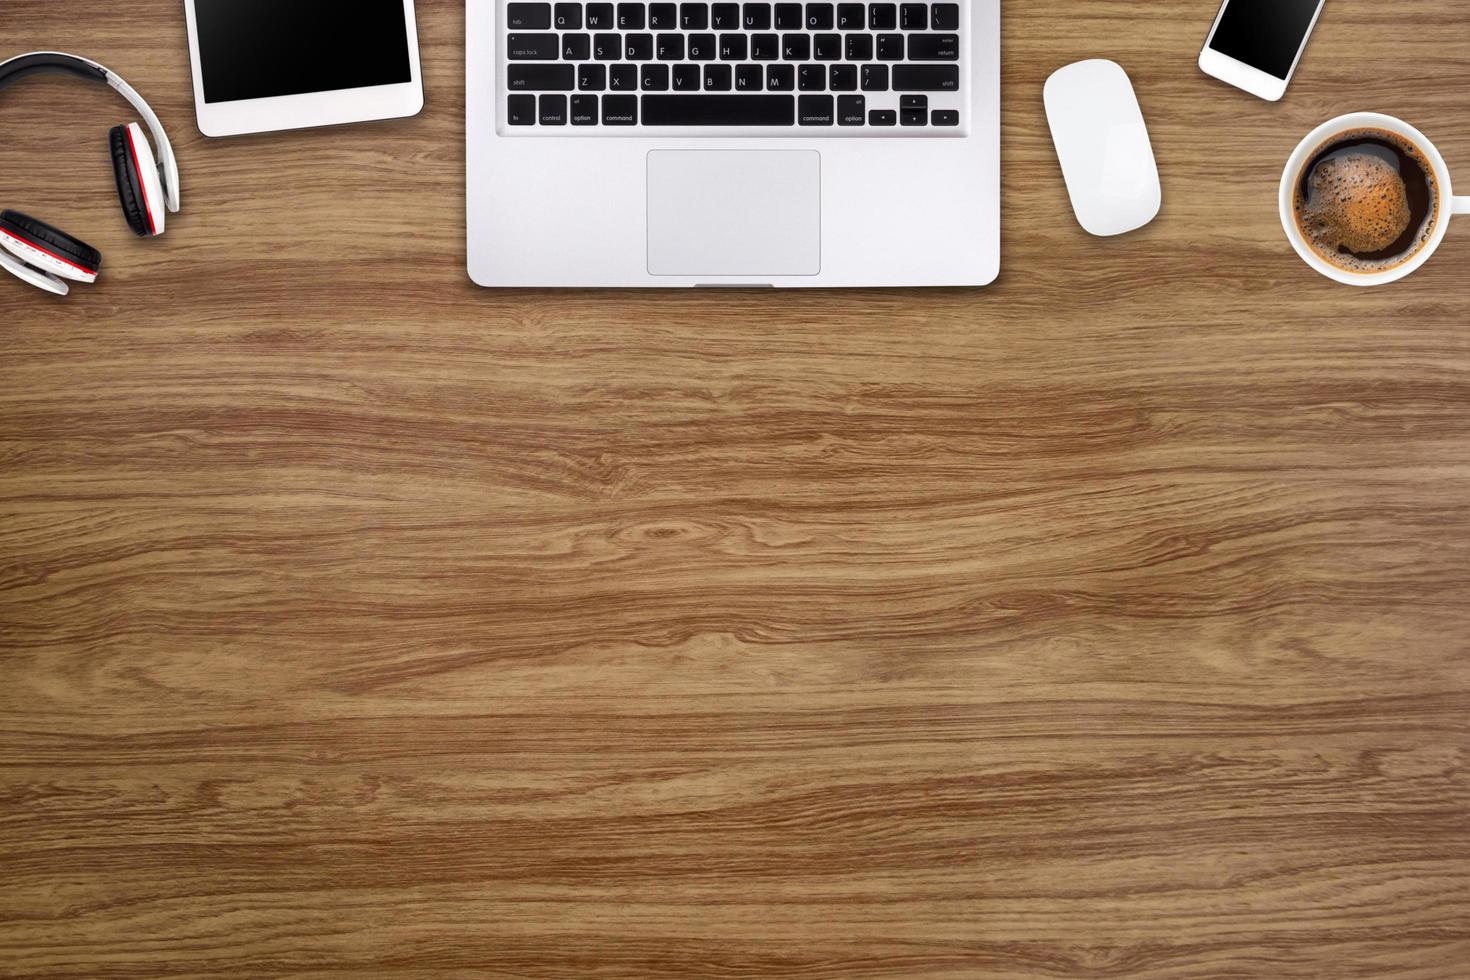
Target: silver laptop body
{"type": "Point", "coordinates": [718, 144]}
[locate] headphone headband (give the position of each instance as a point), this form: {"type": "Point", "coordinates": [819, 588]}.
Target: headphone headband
{"type": "Point", "coordinates": [14, 69]}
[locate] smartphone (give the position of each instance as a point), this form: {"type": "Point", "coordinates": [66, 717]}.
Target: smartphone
{"type": "Point", "coordinates": [1255, 44]}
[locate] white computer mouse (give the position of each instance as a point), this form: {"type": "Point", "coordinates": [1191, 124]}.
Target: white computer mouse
{"type": "Point", "coordinates": [1104, 147]}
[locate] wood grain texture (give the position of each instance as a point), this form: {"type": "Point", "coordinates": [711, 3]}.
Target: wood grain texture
{"type": "Point", "coordinates": [1110, 622]}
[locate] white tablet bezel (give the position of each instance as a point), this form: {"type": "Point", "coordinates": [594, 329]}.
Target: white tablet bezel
{"type": "Point", "coordinates": [1261, 84]}
{"type": "Point", "coordinates": [314, 108]}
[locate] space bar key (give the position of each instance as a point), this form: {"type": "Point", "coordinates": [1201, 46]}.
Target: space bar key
{"type": "Point", "coordinates": [719, 110]}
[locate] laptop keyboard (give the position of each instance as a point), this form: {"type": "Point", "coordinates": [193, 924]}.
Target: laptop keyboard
{"type": "Point", "coordinates": [813, 68]}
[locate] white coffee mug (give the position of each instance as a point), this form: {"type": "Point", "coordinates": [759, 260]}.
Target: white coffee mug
{"type": "Point", "coordinates": [1319, 137]}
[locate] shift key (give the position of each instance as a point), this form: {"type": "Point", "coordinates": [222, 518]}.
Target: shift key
{"type": "Point", "coordinates": [540, 78]}
{"type": "Point", "coordinates": [926, 78]}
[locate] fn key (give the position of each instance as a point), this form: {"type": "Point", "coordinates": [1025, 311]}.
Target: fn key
{"type": "Point", "coordinates": [520, 110]}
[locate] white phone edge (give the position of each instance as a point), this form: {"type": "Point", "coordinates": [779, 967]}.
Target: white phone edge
{"type": "Point", "coordinates": [1245, 77]}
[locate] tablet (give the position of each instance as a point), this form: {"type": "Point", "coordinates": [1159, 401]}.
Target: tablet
{"type": "Point", "coordinates": [266, 65]}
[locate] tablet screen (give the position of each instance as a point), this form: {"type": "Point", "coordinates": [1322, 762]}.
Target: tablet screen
{"type": "Point", "coordinates": [262, 49]}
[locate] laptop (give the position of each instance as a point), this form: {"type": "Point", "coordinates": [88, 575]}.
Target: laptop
{"type": "Point", "coordinates": [733, 144]}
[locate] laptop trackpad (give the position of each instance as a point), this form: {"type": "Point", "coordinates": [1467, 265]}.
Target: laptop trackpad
{"type": "Point", "coordinates": [734, 212]}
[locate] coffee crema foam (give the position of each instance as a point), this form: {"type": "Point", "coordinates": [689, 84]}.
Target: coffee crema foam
{"type": "Point", "coordinates": [1366, 201]}
{"type": "Point", "coordinates": [1357, 202]}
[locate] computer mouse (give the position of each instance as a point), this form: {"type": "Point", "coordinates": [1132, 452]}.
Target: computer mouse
{"type": "Point", "coordinates": [1104, 148]}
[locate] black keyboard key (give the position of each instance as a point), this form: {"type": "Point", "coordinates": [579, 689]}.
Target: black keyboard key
{"type": "Point", "coordinates": [875, 78]}
{"type": "Point", "coordinates": [654, 78]}
{"type": "Point", "coordinates": [702, 47]}
{"type": "Point", "coordinates": [719, 110]}
{"type": "Point", "coordinates": [851, 16]}
{"type": "Point", "coordinates": [732, 47]}
{"type": "Point", "coordinates": [528, 16]}
{"type": "Point", "coordinates": [882, 117]}
{"type": "Point", "coordinates": [882, 16]}
{"type": "Point", "coordinates": [725, 17]}
{"type": "Point", "coordinates": [844, 78]}
{"type": "Point", "coordinates": [694, 16]}
{"type": "Point", "coordinates": [553, 110]}
{"type": "Point", "coordinates": [926, 78]}
{"type": "Point", "coordinates": [749, 78]}
{"type": "Point", "coordinates": [945, 117]}
{"type": "Point", "coordinates": [620, 110]}
{"type": "Point", "coordinates": [623, 78]}
{"type": "Point", "coordinates": [859, 47]}
{"type": "Point", "coordinates": [638, 47]}
{"type": "Point", "coordinates": [780, 78]}
{"type": "Point", "coordinates": [765, 47]}
{"type": "Point", "coordinates": [934, 47]}
{"type": "Point", "coordinates": [576, 47]}
{"type": "Point", "coordinates": [567, 17]}
{"type": "Point", "coordinates": [540, 78]}
{"type": "Point", "coordinates": [520, 110]}
{"type": "Point", "coordinates": [814, 110]}
{"type": "Point", "coordinates": [819, 17]}
{"type": "Point", "coordinates": [913, 16]}
{"type": "Point", "coordinates": [591, 78]}
{"type": "Point", "coordinates": [669, 47]}
{"type": "Point", "coordinates": [606, 47]}
{"type": "Point", "coordinates": [630, 17]}
{"type": "Point", "coordinates": [945, 16]}
{"type": "Point", "coordinates": [717, 78]}
{"type": "Point", "coordinates": [530, 47]}
{"type": "Point", "coordinates": [756, 17]}
{"type": "Point", "coordinates": [663, 17]}
{"type": "Point", "coordinates": [788, 17]}
{"type": "Point", "coordinates": [796, 47]}
{"type": "Point", "coordinates": [811, 78]}
{"type": "Point", "coordinates": [687, 78]}
{"type": "Point", "coordinates": [852, 110]}
{"type": "Point", "coordinates": [584, 110]}
{"type": "Point", "coordinates": [827, 47]}
{"type": "Point", "coordinates": [599, 16]}
{"type": "Point", "coordinates": [890, 47]}
{"type": "Point", "coordinates": [913, 110]}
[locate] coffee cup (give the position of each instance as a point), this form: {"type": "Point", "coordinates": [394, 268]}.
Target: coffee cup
{"type": "Point", "coordinates": [1444, 204]}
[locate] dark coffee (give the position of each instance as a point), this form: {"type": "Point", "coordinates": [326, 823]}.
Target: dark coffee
{"type": "Point", "coordinates": [1367, 200]}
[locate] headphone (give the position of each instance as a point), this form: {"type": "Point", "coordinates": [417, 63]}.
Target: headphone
{"type": "Point", "coordinates": [147, 185]}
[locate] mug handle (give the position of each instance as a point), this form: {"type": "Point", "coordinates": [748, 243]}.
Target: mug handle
{"type": "Point", "coordinates": [1460, 205]}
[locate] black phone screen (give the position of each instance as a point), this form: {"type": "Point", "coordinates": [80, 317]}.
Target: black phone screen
{"type": "Point", "coordinates": [261, 49]}
{"type": "Point", "coordinates": [1265, 34]}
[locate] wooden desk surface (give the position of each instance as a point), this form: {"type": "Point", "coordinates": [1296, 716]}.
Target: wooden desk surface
{"type": "Point", "coordinates": [1110, 622]}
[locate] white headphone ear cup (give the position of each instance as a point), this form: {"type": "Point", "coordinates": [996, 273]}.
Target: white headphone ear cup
{"type": "Point", "coordinates": [139, 188]}
{"type": "Point", "coordinates": [30, 274]}
{"type": "Point", "coordinates": [152, 183]}
{"type": "Point", "coordinates": [47, 249]}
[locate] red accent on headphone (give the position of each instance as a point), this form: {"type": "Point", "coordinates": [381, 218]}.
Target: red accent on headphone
{"type": "Point", "coordinates": [142, 184]}
{"type": "Point", "coordinates": [79, 268]}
